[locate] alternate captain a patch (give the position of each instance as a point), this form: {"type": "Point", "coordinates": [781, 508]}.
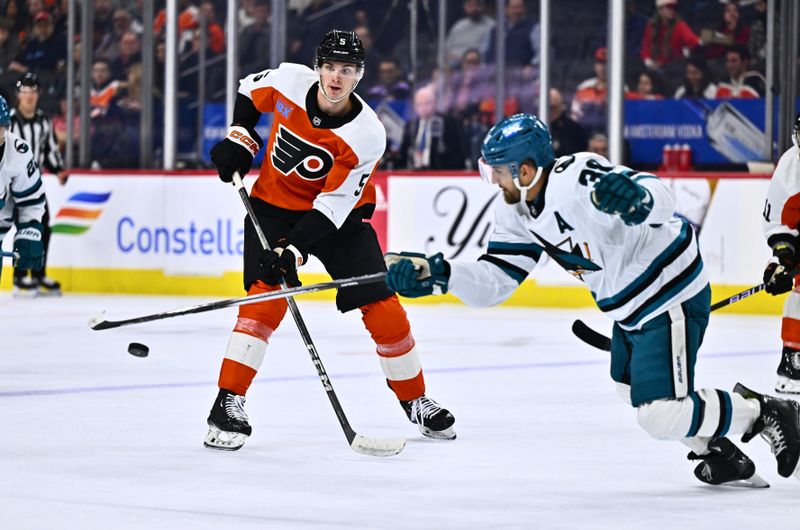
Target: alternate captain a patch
{"type": "Point", "coordinates": [292, 153]}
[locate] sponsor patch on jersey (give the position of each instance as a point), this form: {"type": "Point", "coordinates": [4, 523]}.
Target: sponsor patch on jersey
{"type": "Point", "coordinates": [283, 109]}
{"type": "Point", "coordinates": [21, 146]}
{"type": "Point", "coordinates": [292, 153]}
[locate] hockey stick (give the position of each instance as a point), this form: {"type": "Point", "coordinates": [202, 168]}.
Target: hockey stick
{"type": "Point", "coordinates": [99, 323]}
{"type": "Point", "coordinates": [601, 342]}
{"type": "Point", "coordinates": [359, 444]}
{"type": "Point", "coordinates": [4, 254]}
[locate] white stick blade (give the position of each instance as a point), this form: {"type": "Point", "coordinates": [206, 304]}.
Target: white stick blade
{"type": "Point", "coordinates": [95, 320]}
{"type": "Point", "coordinates": [377, 447]}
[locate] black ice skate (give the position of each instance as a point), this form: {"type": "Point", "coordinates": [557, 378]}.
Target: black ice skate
{"type": "Point", "coordinates": [433, 420]}
{"type": "Point", "coordinates": [726, 464]}
{"type": "Point", "coordinates": [48, 286]}
{"type": "Point", "coordinates": [789, 372]}
{"type": "Point", "coordinates": [779, 425]}
{"type": "Point", "coordinates": [25, 287]}
{"type": "Point", "coordinates": [227, 423]}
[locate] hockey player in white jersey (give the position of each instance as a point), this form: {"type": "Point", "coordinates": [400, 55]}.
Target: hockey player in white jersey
{"type": "Point", "coordinates": [781, 220]}
{"type": "Point", "coordinates": [614, 229]}
{"type": "Point", "coordinates": [20, 180]}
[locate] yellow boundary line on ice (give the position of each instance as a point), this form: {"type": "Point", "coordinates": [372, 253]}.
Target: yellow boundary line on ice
{"type": "Point", "coordinates": [227, 285]}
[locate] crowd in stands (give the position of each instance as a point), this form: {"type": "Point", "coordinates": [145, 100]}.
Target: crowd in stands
{"type": "Point", "coordinates": [435, 119]}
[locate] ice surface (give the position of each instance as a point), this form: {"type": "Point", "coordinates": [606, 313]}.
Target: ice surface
{"type": "Point", "coordinates": [95, 438]}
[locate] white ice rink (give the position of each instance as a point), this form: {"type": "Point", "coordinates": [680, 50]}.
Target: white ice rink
{"type": "Point", "coordinates": [94, 438]}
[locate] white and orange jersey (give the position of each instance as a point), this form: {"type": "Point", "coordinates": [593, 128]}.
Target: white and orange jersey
{"type": "Point", "coordinates": [781, 216]}
{"type": "Point", "coordinates": [313, 160]}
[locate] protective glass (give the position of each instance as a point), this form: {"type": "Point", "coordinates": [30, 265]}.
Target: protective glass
{"type": "Point", "coordinates": [494, 174]}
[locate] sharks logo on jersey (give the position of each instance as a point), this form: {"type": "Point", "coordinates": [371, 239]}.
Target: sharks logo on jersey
{"type": "Point", "coordinates": [570, 259]}
{"type": "Point", "coordinates": [292, 153]}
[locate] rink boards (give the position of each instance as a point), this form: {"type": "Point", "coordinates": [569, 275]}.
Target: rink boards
{"type": "Point", "coordinates": [181, 233]}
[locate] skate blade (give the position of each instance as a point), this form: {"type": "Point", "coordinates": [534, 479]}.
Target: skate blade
{"type": "Point", "coordinates": [787, 386]}
{"type": "Point", "coordinates": [45, 293]}
{"type": "Point", "coordinates": [25, 293]}
{"type": "Point", "coordinates": [447, 434]}
{"type": "Point", "coordinates": [224, 440]}
{"type": "Point", "coordinates": [753, 482]}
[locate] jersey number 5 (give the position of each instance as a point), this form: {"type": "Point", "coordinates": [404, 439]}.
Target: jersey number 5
{"type": "Point", "coordinates": [361, 184]}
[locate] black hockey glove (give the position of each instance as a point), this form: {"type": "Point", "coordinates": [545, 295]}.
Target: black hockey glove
{"type": "Point", "coordinates": [413, 275]}
{"type": "Point", "coordinates": [281, 263]}
{"type": "Point", "coordinates": [235, 152]}
{"type": "Point", "coordinates": [778, 275]}
{"type": "Point", "coordinates": [618, 194]}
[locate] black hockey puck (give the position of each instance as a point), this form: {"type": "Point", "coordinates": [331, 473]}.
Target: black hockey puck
{"type": "Point", "coordinates": [138, 349]}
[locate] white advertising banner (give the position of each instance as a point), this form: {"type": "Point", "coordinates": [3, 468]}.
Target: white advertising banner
{"type": "Point", "coordinates": [183, 225]}
{"type": "Point", "coordinates": [454, 215]}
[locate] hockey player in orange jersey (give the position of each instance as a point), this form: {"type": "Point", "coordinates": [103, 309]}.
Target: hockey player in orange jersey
{"type": "Point", "coordinates": [313, 196]}
{"type": "Point", "coordinates": [781, 220]}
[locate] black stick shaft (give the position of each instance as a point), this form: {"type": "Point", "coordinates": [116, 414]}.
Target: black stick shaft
{"type": "Point", "coordinates": [298, 319]}
{"type": "Point", "coordinates": [601, 342]}
{"type": "Point", "coordinates": [244, 300]}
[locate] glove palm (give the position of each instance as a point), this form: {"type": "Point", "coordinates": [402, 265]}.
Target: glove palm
{"type": "Point", "coordinates": [413, 275]}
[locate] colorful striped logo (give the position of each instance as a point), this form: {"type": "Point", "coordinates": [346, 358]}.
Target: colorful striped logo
{"type": "Point", "coordinates": [80, 212]}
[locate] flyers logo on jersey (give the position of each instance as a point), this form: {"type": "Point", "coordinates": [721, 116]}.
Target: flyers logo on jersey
{"type": "Point", "coordinates": [292, 153]}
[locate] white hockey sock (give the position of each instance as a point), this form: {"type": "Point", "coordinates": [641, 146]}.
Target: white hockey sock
{"type": "Point", "coordinates": [246, 349]}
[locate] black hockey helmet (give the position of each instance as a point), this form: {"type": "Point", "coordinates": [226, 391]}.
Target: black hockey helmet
{"type": "Point", "coordinates": [29, 80]}
{"type": "Point", "coordinates": [338, 45]}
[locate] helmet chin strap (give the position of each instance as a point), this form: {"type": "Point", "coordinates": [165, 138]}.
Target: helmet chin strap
{"type": "Point", "coordinates": [523, 190]}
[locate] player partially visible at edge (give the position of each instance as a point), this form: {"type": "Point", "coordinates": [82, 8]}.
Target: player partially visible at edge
{"type": "Point", "coordinates": [613, 228]}
{"type": "Point", "coordinates": [781, 221]}
{"type": "Point", "coordinates": [21, 189]}
{"type": "Point", "coordinates": [313, 196]}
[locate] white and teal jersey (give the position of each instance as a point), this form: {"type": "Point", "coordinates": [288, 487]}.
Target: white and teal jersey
{"type": "Point", "coordinates": [634, 272]}
{"type": "Point", "coordinates": [20, 184]}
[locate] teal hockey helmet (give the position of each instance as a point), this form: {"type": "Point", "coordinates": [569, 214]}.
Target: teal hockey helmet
{"type": "Point", "coordinates": [518, 138]}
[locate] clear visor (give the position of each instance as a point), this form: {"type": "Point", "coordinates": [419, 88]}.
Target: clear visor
{"type": "Point", "coordinates": [346, 71]}
{"type": "Point", "coordinates": [494, 174]}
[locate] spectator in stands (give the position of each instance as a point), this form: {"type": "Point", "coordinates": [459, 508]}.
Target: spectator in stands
{"type": "Point", "coordinates": [589, 102]}
{"type": "Point", "coordinates": [108, 49]}
{"type": "Point", "coordinates": [9, 45]}
{"type": "Point", "coordinates": [432, 140]}
{"type": "Point", "coordinates": [568, 137]}
{"type": "Point", "coordinates": [254, 40]}
{"type": "Point", "coordinates": [649, 85]}
{"type": "Point", "coordinates": [16, 15]}
{"type": "Point", "coordinates": [598, 144]}
{"type": "Point", "coordinates": [391, 86]}
{"type": "Point", "coordinates": [130, 53]}
{"type": "Point", "coordinates": [635, 24]}
{"type": "Point", "coordinates": [469, 32]}
{"type": "Point", "coordinates": [103, 21]}
{"type": "Point", "coordinates": [372, 59]}
{"type": "Point", "coordinates": [214, 32]}
{"type": "Point", "coordinates": [741, 81]}
{"type": "Point", "coordinates": [468, 86]}
{"type": "Point", "coordinates": [107, 148]}
{"type": "Point", "coordinates": [667, 38]}
{"type": "Point", "coordinates": [697, 82]}
{"type": "Point", "coordinates": [105, 89]}
{"type": "Point", "coordinates": [732, 30]}
{"type": "Point", "coordinates": [42, 51]}
{"type": "Point", "coordinates": [522, 37]}
{"type": "Point", "coordinates": [758, 36]}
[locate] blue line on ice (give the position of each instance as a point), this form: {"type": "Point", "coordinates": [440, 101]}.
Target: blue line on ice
{"type": "Point", "coordinates": [336, 376]}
